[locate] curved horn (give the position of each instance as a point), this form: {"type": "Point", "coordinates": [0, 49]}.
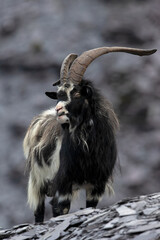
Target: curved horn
{"type": "Point", "coordinates": [81, 63]}
{"type": "Point", "coordinates": [66, 65]}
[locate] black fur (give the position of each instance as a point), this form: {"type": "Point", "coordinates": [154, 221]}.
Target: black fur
{"type": "Point", "coordinates": [39, 213]}
{"type": "Point", "coordinates": [58, 208]}
{"type": "Point", "coordinates": [62, 96]}
{"type": "Point", "coordinates": [52, 95]}
{"type": "Point", "coordinates": [88, 154]}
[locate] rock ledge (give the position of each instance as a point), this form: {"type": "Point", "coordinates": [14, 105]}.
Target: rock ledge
{"type": "Point", "coordinates": [137, 218]}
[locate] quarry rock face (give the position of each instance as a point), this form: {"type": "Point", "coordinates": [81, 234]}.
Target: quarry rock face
{"type": "Point", "coordinates": [35, 37]}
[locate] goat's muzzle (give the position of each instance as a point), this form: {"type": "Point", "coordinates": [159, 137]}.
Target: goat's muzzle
{"type": "Point", "coordinates": [62, 113]}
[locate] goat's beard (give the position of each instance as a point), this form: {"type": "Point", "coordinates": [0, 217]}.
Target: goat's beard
{"type": "Point", "coordinates": [62, 119]}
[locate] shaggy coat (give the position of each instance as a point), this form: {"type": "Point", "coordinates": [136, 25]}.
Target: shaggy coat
{"type": "Point", "coordinates": [65, 156]}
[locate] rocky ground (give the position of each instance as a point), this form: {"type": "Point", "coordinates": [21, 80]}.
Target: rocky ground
{"type": "Point", "coordinates": [136, 218]}
{"type": "Point", "coordinates": [35, 36]}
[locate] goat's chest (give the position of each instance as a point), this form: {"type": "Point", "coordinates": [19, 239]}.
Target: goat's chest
{"type": "Point", "coordinates": [79, 162]}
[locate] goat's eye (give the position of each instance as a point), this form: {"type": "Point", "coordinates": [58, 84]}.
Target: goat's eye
{"type": "Point", "coordinates": [75, 93]}
{"type": "Point", "coordinates": [61, 95]}
{"type": "Point", "coordinates": [67, 85]}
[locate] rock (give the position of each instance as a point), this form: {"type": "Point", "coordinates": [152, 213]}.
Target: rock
{"type": "Point", "coordinates": [91, 223]}
{"type": "Point", "coordinates": [125, 211]}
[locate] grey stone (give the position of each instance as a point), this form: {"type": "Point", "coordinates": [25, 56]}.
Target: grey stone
{"type": "Point", "coordinates": [55, 234]}
{"type": "Point", "coordinates": [139, 206]}
{"type": "Point", "coordinates": [108, 225]}
{"type": "Point", "coordinates": [147, 227]}
{"type": "Point", "coordinates": [21, 226]}
{"type": "Point", "coordinates": [20, 238]}
{"type": "Point", "coordinates": [125, 211]}
{"type": "Point", "coordinates": [149, 211]}
{"type": "Point", "coordinates": [22, 229]}
{"type": "Point", "coordinates": [148, 236]}
{"type": "Point", "coordinates": [115, 220]}
{"type": "Point", "coordinates": [127, 218]}
{"type": "Point", "coordinates": [4, 233]}
{"type": "Point", "coordinates": [94, 217]}
{"type": "Point", "coordinates": [86, 211]}
{"type": "Point", "coordinates": [137, 222]}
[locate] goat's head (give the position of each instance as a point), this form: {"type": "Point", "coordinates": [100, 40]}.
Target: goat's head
{"type": "Point", "coordinates": [73, 101]}
{"type": "Point", "coordinates": [73, 93]}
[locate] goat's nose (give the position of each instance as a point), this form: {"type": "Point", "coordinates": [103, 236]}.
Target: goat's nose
{"type": "Point", "coordinates": [58, 107]}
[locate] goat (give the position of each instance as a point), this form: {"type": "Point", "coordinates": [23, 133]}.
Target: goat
{"type": "Point", "coordinates": [73, 145]}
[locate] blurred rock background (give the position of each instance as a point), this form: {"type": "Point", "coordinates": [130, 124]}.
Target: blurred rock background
{"type": "Point", "coordinates": [35, 36]}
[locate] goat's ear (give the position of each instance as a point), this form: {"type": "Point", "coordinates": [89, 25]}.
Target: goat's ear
{"type": "Point", "coordinates": [87, 91]}
{"type": "Point", "coordinates": [52, 95]}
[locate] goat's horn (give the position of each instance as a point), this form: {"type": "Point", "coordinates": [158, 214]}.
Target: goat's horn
{"type": "Point", "coordinates": [81, 63]}
{"type": "Point", "coordinates": [66, 65]}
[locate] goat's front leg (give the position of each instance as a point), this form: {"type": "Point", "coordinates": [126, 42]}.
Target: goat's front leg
{"type": "Point", "coordinates": [61, 202]}
{"type": "Point", "coordinates": [39, 212]}
{"type": "Point", "coordinates": [93, 195]}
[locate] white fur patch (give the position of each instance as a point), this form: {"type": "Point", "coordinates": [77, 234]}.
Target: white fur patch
{"type": "Point", "coordinates": [40, 174]}
{"type": "Point", "coordinates": [51, 111]}
{"type": "Point", "coordinates": [63, 119]}
{"type": "Point", "coordinates": [109, 188]}
{"type": "Point", "coordinates": [27, 140]}
{"type": "Point", "coordinates": [66, 197]}
{"type": "Point", "coordinates": [89, 196]}
{"type": "Point", "coordinates": [62, 104]}
{"type": "Point", "coordinates": [34, 197]}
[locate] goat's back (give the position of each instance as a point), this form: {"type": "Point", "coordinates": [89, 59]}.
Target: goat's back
{"type": "Point", "coordinates": [42, 138]}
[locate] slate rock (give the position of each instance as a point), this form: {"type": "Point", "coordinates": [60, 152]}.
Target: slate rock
{"type": "Point", "coordinates": [123, 220]}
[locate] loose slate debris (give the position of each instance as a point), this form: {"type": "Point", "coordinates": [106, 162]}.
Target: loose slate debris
{"type": "Point", "coordinates": [125, 211]}
{"type": "Point", "coordinates": [137, 218]}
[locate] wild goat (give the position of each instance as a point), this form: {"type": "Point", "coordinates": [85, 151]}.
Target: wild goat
{"type": "Point", "coordinates": [73, 145]}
